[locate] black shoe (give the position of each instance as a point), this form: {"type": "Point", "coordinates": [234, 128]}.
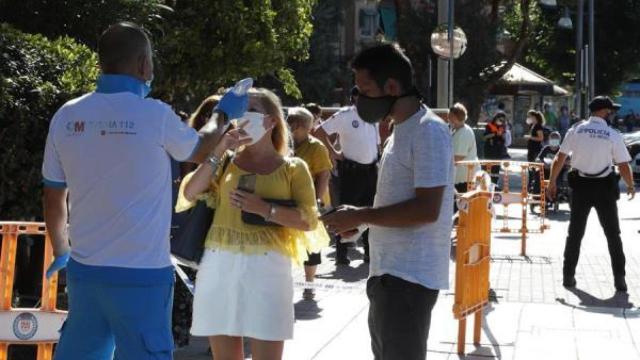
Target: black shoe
{"type": "Point", "coordinates": [308, 294]}
{"type": "Point", "coordinates": [569, 281]}
{"type": "Point", "coordinates": [620, 284]}
{"type": "Point", "coordinates": [342, 260]}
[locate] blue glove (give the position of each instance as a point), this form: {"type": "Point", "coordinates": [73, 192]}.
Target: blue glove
{"type": "Point", "coordinates": [233, 105]}
{"type": "Point", "coordinates": [59, 263]}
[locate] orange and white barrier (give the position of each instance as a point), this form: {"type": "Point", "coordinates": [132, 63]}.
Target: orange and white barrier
{"type": "Point", "coordinates": [33, 326]}
{"type": "Point", "coordinates": [508, 198]}
{"type": "Point", "coordinates": [473, 262]}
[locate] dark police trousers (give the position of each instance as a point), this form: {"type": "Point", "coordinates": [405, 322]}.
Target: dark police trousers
{"type": "Point", "coordinates": [601, 193]}
{"type": "Point", "coordinates": [358, 188]}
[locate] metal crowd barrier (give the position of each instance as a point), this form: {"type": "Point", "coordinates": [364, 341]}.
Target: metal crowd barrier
{"type": "Point", "coordinates": [507, 198]}
{"type": "Point", "coordinates": [472, 262]}
{"type": "Point", "coordinates": [27, 326]}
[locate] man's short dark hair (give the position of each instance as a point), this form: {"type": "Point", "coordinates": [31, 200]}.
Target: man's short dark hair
{"type": "Point", "coordinates": [384, 62]}
{"type": "Point", "coordinates": [121, 44]}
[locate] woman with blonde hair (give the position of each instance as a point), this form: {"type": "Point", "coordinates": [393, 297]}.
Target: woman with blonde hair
{"type": "Point", "coordinates": [244, 286]}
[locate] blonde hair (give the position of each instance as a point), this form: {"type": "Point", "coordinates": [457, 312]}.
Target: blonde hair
{"type": "Point", "coordinates": [459, 111]}
{"type": "Point", "coordinates": [273, 106]}
{"type": "Point", "coordinates": [204, 111]}
{"type": "Point", "coordinates": [300, 116]}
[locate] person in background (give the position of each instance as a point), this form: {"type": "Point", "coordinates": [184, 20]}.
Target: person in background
{"type": "Point", "coordinates": [244, 283]}
{"type": "Point", "coordinates": [357, 163]}
{"type": "Point", "coordinates": [629, 121]}
{"type": "Point", "coordinates": [551, 117]}
{"type": "Point", "coordinates": [564, 121]}
{"type": "Point", "coordinates": [464, 145]}
{"type": "Point", "coordinates": [316, 155]}
{"type": "Point", "coordinates": [548, 153]}
{"type": "Point", "coordinates": [508, 137]}
{"type": "Point", "coordinates": [535, 139]}
{"type": "Point", "coordinates": [196, 121]}
{"type": "Point", "coordinates": [111, 182]}
{"type": "Point", "coordinates": [316, 111]}
{"type": "Point", "coordinates": [494, 142]}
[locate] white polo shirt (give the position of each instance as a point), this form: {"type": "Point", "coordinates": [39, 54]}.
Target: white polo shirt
{"type": "Point", "coordinates": [113, 152]}
{"type": "Point", "coordinates": [359, 140]}
{"type": "Point", "coordinates": [594, 146]}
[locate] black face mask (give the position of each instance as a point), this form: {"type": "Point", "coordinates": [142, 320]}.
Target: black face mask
{"type": "Point", "coordinates": [375, 109]}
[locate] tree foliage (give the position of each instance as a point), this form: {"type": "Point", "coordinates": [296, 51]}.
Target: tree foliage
{"type": "Point", "coordinates": [200, 44]}
{"type": "Point", "coordinates": [617, 44]}
{"type": "Point", "coordinates": [207, 44]}
{"type": "Point", "coordinates": [82, 20]}
{"type": "Point", "coordinates": [482, 65]}
{"type": "Point", "coordinates": [36, 77]}
{"type": "Point", "coordinates": [324, 70]}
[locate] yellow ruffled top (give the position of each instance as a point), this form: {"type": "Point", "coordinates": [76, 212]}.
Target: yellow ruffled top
{"type": "Point", "coordinates": [291, 181]}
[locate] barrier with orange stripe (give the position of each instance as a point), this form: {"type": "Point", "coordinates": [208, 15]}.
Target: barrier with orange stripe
{"type": "Point", "coordinates": [472, 262]}
{"type": "Point", "coordinates": [32, 326]}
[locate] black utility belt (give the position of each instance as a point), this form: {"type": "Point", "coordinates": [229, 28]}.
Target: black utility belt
{"type": "Point", "coordinates": [610, 181]}
{"type": "Point", "coordinates": [350, 164]}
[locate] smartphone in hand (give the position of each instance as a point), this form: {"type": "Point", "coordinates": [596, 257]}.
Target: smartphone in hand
{"type": "Point", "coordinates": [247, 183]}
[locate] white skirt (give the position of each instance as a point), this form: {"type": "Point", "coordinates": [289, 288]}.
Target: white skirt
{"type": "Point", "coordinates": [244, 295]}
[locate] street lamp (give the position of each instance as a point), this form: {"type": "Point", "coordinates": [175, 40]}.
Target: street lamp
{"type": "Point", "coordinates": [565, 21]}
{"type": "Point", "coordinates": [441, 44]}
{"type": "Point", "coordinates": [448, 43]}
{"type": "Point", "coordinates": [549, 3]}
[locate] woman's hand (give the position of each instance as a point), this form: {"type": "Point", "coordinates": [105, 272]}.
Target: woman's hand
{"type": "Point", "coordinates": [232, 140]}
{"type": "Point", "coordinates": [250, 202]}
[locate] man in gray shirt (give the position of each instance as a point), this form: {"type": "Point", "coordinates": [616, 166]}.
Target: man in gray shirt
{"type": "Point", "coordinates": [410, 221]}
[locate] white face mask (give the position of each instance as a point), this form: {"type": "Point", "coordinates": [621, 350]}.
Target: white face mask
{"type": "Point", "coordinates": [554, 142]}
{"type": "Point", "coordinates": [529, 121]}
{"type": "Point", "coordinates": [255, 126]}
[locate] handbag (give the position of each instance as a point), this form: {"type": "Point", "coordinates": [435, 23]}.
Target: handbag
{"type": "Point", "coordinates": [255, 219]}
{"type": "Point", "coordinates": [187, 242]}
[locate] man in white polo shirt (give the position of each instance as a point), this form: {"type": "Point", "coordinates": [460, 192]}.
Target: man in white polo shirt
{"type": "Point", "coordinates": [109, 151]}
{"type": "Point", "coordinates": [356, 163]}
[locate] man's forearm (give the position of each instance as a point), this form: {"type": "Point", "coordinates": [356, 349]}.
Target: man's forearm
{"type": "Point", "coordinates": [405, 214]}
{"type": "Point", "coordinates": [626, 174]}
{"type": "Point", "coordinates": [55, 217]}
{"type": "Point", "coordinates": [210, 135]}
{"type": "Point", "coordinates": [556, 165]}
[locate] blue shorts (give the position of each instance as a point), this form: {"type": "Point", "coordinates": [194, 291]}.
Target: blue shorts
{"type": "Point", "coordinates": [130, 320]}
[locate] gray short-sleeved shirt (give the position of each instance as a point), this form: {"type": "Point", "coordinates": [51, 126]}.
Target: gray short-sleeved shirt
{"type": "Point", "coordinates": [419, 154]}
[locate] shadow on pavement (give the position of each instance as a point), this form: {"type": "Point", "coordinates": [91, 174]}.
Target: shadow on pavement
{"type": "Point", "coordinates": [347, 273]}
{"type": "Point", "coordinates": [307, 310]}
{"type": "Point", "coordinates": [619, 300]}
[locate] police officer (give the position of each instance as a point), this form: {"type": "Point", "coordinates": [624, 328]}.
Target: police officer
{"type": "Point", "coordinates": [594, 148]}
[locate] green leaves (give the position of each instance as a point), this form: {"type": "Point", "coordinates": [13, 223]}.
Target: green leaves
{"type": "Point", "coordinates": [208, 44]}
{"type": "Point", "coordinates": [37, 77]}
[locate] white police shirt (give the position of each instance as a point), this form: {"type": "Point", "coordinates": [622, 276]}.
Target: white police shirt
{"type": "Point", "coordinates": [112, 152]}
{"type": "Point", "coordinates": [594, 146]}
{"type": "Point", "coordinates": [359, 140]}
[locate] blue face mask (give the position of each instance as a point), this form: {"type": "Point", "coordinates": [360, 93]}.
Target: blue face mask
{"type": "Point", "coordinates": [115, 83]}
